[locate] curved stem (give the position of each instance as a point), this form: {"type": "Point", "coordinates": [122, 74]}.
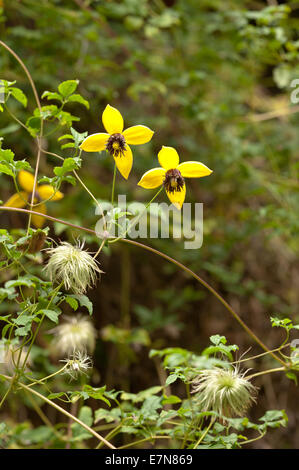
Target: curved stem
{"type": "Point", "coordinates": [213, 291]}
{"type": "Point", "coordinates": [171, 260]}
{"type": "Point", "coordinates": [146, 439]}
{"type": "Point", "coordinates": [41, 123]}
{"type": "Point", "coordinates": [203, 435]}
{"type": "Point", "coordinates": [48, 377]}
{"type": "Point", "coordinates": [137, 218]}
{"type": "Point", "coordinates": [113, 185]}
{"type": "Point", "coordinates": [66, 413]}
{"type": "Point", "coordinates": [13, 53]}
{"type": "Point", "coordinates": [92, 197]}
{"type": "Point", "coordinates": [263, 372]}
{"type": "Point", "coordinates": [39, 325]}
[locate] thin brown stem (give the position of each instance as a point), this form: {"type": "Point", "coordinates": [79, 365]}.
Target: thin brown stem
{"type": "Point", "coordinates": [66, 413]}
{"type": "Point", "coordinates": [178, 264]}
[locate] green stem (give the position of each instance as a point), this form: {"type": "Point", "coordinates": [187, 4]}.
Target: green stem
{"type": "Point", "coordinates": [113, 184]}
{"type": "Point", "coordinates": [111, 434]}
{"type": "Point", "coordinates": [93, 198]}
{"type": "Point", "coordinates": [66, 413]}
{"type": "Point", "coordinates": [39, 325]}
{"type": "Point", "coordinates": [137, 219]}
{"type": "Point", "coordinates": [144, 440]}
{"type": "Point", "coordinates": [171, 260]}
{"type": "Point", "coordinates": [203, 435]}
{"type": "Point", "coordinates": [263, 372]}
{"type": "Point", "coordinates": [48, 377]}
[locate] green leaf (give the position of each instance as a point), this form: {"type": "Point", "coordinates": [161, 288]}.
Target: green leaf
{"type": "Point", "coordinates": [69, 145]}
{"type": "Point", "coordinates": [19, 96]}
{"type": "Point", "coordinates": [171, 400]}
{"type": "Point", "coordinates": [84, 302]}
{"type": "Point", "coordinates": [96, 393]}
{"type": "Point", "coordinates": [23, 319]}
{"type": "Point", "coordinates": [217, 339]}
{"type": "Point", "coordinates": [23, 330]}
{"type": "Point", "coordinates": [68, 87]}
{"type": "Point", "coordinates": [6, 155]}
{"type": "Point", "coordinates": [22, 281]}
{"type": "Point", "coordinates": [80, 433]}
{"type": "Point", "coordinates": [171, 378]}
{"type": "Point", "coordinates": [72, 302]}
{"type": "Point", "coordinates": [51, 314]}
{"type": "Point", "coordinates": [52, 96]}
{"type": "Point", "coordinates": [69, 164]}
{"type": "Point", "coordinates": [5, 169]}
{"type": "Point", "coordinates": [41, 434]}
{"type": "Point", "coordinates": [79, 99]}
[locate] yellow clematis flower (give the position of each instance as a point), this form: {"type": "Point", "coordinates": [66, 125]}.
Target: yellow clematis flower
{"type": "Point", "coordinates": [172, 175]}
{"type": "Point", "coordinates": [116, 141]}
{"type": "Point", "coordinates": [42, 193]}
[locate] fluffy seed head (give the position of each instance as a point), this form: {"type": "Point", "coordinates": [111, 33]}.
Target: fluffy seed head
{"type": "Point", "coordinates": [9, 356]}
{"type": "Point", "coordinates": [77, 364]}
{"type": "Point", "coordinates": [72, 265]}
{"type": "Point", "coordinates": [75, 333]}
{"type": "Point", "coordinates": [225, 391]}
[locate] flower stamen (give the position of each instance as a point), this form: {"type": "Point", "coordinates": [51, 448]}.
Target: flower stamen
{"type": "Point", "coordinates": [116, 145]}
{"type": "Point", "coordinates": [173, 181]}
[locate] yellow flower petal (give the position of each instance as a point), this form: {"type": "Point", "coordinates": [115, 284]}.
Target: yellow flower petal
{"type": "Point", "coordinates": [168, 158]}
{"type": "Point", "coordinates": [137, 135]}
{"type": "Point", "coordinates": [38, 220]}
{"type": "Point", "coordinates": [95, 142]}
{"type": "Point", "coordinates": [26, 180]}
{"type": "Point", "coordinates": [112, 120]}
{"type": "Point", "coordinates": [194, 169]}
{"type": "Point", "coordinates": [124, 162]}
{"type": "Point", "coordinates": [17, 200]}
{"type": "Point", "coordinates": [177, 197]}
{"type": "Point", "coordinates": [46, 191]}
{"type": "Point", "coordinates": [152, 178]}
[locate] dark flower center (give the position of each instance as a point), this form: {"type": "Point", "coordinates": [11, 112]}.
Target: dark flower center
{"type": "Point", "coordinates": [116, 145]}
{"type": "Point", "coordinates": [37, 197]}
{"type": "Point", "coordinates": [173, 181]}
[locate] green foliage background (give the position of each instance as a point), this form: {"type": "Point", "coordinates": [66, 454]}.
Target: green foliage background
{"type": "Point", "coordinates": [208, 77]}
